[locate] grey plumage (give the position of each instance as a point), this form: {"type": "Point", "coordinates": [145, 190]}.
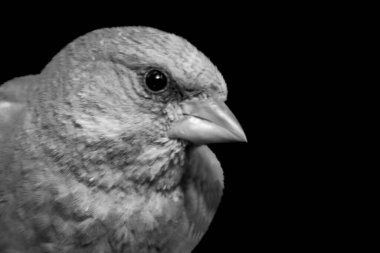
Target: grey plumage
{"type": "Point", "coordinates": [87, 161]}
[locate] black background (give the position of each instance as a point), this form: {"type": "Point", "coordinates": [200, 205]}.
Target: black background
{"type": "Point", "coordinates": [262, 54]}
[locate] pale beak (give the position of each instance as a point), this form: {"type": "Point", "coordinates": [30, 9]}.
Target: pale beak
{"type": "Point", "coordinates": [207, 121]}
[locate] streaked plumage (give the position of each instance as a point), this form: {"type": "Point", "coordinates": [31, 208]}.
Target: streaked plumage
{"type": "Point", "coordinates": [92, 161]}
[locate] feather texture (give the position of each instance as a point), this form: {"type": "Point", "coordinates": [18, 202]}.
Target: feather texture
{"type": "Point", "coordinates": [86, 163]}
{"type": "Point", "coordinates": [203, 188]}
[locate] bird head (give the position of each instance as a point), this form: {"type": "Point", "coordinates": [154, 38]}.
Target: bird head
{"type": "Point", "coordinates": [136, 91]}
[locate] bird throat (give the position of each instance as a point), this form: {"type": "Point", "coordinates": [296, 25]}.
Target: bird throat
{"type": "Point", "coordinates": [128, 163]}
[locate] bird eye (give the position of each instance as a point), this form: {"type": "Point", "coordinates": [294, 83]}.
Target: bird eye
{"type": "Point", "coordinates": [156, 81]}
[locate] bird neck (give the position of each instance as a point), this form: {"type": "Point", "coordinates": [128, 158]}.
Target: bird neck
{"type": "Point", "coordinates": [128, 163]}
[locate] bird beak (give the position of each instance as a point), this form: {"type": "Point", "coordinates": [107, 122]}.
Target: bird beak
{"type": "Point", "coordinates": [207, 121]}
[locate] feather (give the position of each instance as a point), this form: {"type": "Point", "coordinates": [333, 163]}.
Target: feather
{"type": "Point", "coordinates": [203, 188]}
{"type": "Point", "coordinates": [86, 160]}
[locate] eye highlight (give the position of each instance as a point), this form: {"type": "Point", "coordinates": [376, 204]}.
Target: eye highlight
{"type": "Point", "coordinates": [156, 81]}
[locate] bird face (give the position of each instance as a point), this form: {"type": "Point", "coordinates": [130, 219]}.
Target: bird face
{"type": "Point", "coordinates": [139, 93]}
{"type": "Point", "coordinates": [156, 84]}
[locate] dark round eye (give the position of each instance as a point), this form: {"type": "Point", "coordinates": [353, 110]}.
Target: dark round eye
{"type": "Point", "coordinates": [156, 81]}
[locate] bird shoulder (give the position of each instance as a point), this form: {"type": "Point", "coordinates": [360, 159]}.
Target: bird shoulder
{"type": "Point", "coordinates": [203, 189]}
{"type": "Point", "coordinates": [13, 97]}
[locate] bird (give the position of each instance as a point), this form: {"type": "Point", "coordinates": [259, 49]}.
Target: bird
{"type": "Point", "coordinates": [106, 149]}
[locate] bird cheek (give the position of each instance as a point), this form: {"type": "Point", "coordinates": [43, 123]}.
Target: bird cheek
{"type": "Point", "coordinates": [174, 111]}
